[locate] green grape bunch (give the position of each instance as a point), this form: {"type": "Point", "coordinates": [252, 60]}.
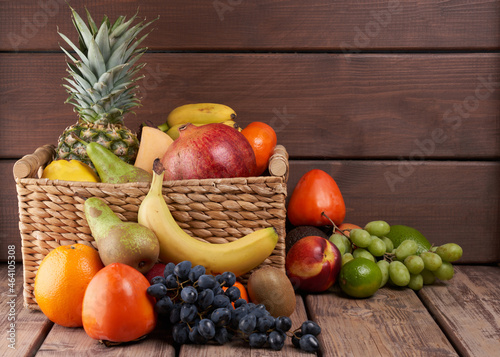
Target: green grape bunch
{"type": "Point", "coordinates": [411, 262]}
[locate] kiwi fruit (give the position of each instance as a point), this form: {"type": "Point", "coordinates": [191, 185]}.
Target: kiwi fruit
{"type": "Point", "coordinates": [271, 287]}
{"type": "Point", "coordinates": [300, 232]}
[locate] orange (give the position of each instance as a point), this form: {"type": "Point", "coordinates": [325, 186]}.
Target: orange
{"type": "Point", "coordinates": [263, 140]}
{"type": "Point", "coordinates": [61, 281]}
{"type": "Point", "coordinates": [243, 291]}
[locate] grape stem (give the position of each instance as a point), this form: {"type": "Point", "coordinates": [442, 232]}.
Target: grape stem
{"type": "Point", "coordinates": [294, 334]}
{"type": "Point", "coordinates": [389, 257]}
{"type": "Point", "coordinates": [176, 294]}
{"type": "Point", "coordinates": [335, 228]}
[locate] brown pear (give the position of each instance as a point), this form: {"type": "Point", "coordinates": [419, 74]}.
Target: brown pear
{"type": "Point", "coordinates": [121, 242]}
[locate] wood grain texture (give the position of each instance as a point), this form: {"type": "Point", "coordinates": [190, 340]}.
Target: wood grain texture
{"type": "Point", "coordinates": [239, 348]}
{"type": "Point", "coordinates": [468, 309]}
{"type": "Point", "coordinates": [277, 25]}
{"type": "Point", "coordinates": [30, 327]}
{"type": "Point", "coordinates": [447, 201]}
{"type": "Point", "coordinates": [393, 322]}
{"type": "Point", "coordinates": [418, 106]}
{"type": "Point", "coordinates": [9, 213]}
{"type": "Point", "coordinates": [62, 341]}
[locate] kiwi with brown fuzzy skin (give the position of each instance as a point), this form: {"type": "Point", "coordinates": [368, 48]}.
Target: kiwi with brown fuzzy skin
{"type": "Point", "coordinates": [272, 288]}
{"type": "Point", "coordinates": [300, 232]}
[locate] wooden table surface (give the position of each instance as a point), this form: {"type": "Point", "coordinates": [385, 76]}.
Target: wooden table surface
{"type": "Point", "coordinates": [457, 318]}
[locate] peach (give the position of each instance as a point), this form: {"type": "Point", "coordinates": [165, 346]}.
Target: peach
{"type": "Point", "coordinates": [347, 227]}
{"type": "Point", "coordinates": [313, 264]}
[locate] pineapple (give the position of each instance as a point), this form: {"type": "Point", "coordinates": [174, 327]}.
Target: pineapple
{"type": "Point", "coordinates": [102, 86]}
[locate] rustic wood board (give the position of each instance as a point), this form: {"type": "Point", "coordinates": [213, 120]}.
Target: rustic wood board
{"type": "Point", "coordinates": [9, 214]}
{"type": "Point", "coordinates": [62, 341]}
{"type": "Point", "coordinates": [432, 198]}
{"type": "Point", "coordinates": [30, 328]}
{"type": "Point", "coordinates": [277, 25]}
{"type": "Point", "coordinates": [321, 105]}
{"type": "Point", "coordinates": [393, 322]}
{"type": "Point", "coordinates": [447, 201]}
{"type": "Point", "coordinates": [468, 309]}
{"type": "Point", "coordinates": [240, 348]}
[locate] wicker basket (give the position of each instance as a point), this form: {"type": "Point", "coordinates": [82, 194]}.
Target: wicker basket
{"type": "Point", "coordinates": [215, 210]}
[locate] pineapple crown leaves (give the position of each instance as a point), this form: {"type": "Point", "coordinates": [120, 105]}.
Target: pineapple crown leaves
{"type": "Point", "coordinates": [103, 74]}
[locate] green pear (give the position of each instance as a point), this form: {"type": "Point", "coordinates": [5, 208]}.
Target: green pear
{"type": "Point", "coordinates": [121, 242]}
{"type": "Point", "coordinates": [112, 169]}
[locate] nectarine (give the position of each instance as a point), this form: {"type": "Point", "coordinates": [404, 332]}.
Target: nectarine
{"type": "Point", "coordinates": [313, 264]}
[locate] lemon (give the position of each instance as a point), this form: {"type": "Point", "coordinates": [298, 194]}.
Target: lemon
{"type": "Point", "coordinates": [360, 278]}
{"type": "Point", "coordinates": [400, 233]}
{"type": "Point", "coordinates": [69, 170]}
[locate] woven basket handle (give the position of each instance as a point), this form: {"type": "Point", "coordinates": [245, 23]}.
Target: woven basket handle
{"type": "Point", "coordinates": [278, 162]}
{"type": "Point", "coordinates": [28, 165]}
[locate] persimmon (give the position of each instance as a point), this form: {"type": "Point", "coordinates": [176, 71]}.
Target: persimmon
{"type": "Point", "coordinates": [116, 307]}
{"type": "Point", "coordinates": [315, 200]}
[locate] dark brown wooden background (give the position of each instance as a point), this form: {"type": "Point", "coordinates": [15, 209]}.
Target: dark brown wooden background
{"type": "Point", "coordinates": [398, 100]}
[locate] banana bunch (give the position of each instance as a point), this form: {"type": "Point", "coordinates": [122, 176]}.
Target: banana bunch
{"type": "Point", "coordinates": [173, 132]}
{"type": "Point", "coordinates": [239, 256]}
{"type": "Point", "coordinates": [198, 114]}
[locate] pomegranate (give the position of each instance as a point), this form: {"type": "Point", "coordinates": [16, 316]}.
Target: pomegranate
{"type": "Point", "coordinates": [209, 151]}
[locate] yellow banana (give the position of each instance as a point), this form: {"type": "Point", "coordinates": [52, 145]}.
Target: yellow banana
{"type": "Point", "coordinates": [163, 127]}
{"type": "Point", "coordinates": [239, 256]}
{"type": "Point", "coordinates": [233, 124]}
{"type": "Point", "coordinates": [200, 113]}
{"type": "Point", "coordinates": [173, 132]}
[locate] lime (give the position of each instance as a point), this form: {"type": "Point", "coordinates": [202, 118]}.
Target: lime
{"type": "Point", "coordinates": [400, 233]}
{"type": "Point", "coordinates": [360, 278]}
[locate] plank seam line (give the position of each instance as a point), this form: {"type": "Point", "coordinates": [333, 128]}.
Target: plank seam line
{"type": "Point", "coordinates": [370, 159]}
{"type": "Point", "coordinates": [440, 325]}
{"type": "Point", "coordinates": [35, 348]}
{"type": "Point", "coordinates": [309, 317]}
{"type": "Point", "coordinates": [292, 51]}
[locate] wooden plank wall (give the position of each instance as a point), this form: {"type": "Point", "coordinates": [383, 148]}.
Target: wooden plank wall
{"type": "Point", "coordinates": [398, 100]}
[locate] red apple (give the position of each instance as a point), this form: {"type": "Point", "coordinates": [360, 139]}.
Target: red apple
{"type": "Point", "coordinates": [313, 264]}
{"type": "Point", "coordinates": [156, 270]}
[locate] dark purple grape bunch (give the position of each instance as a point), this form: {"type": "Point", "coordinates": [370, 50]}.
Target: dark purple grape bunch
{"type": "Point", "coordinates": [201, 308]}
{"type": "Point", "coordinates": [305, 337]}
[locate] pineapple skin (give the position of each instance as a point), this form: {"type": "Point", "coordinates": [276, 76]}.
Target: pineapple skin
{"type": "Point", "coordinates": [116, 137]}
